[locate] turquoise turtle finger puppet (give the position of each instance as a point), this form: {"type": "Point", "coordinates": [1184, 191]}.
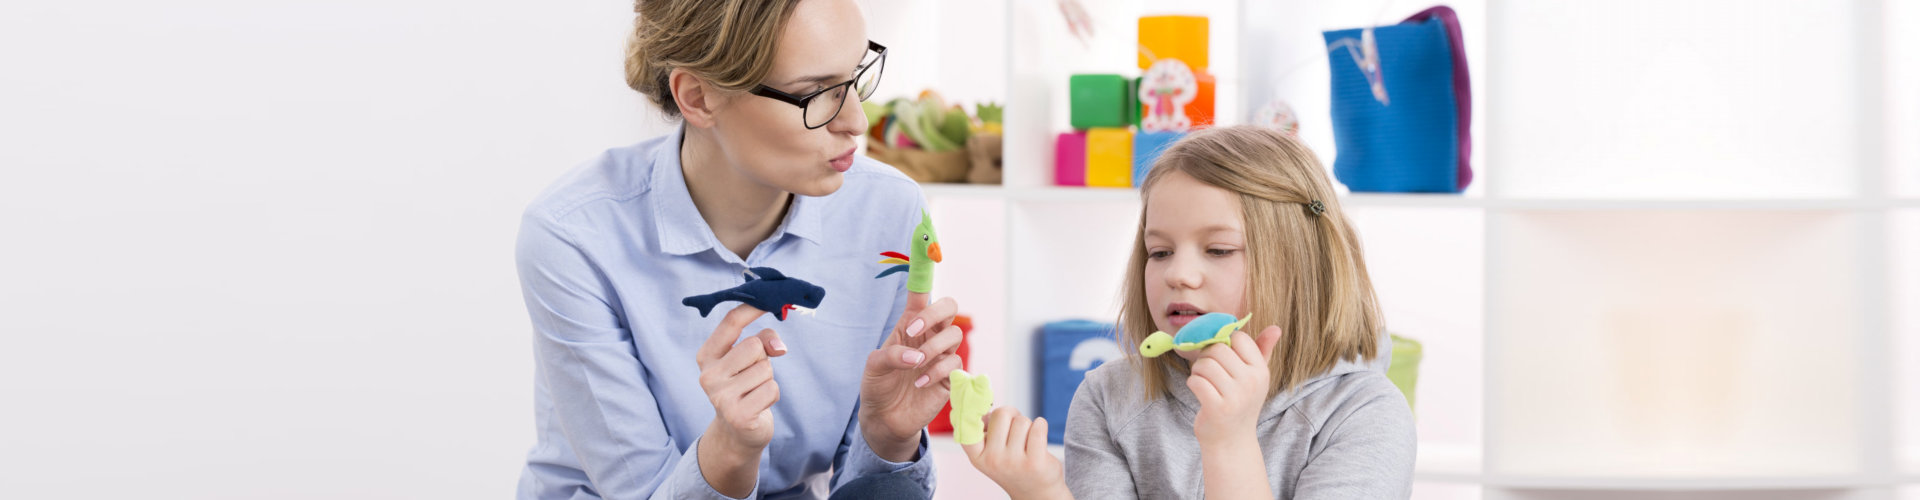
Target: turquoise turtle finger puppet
{"type": "Point", "coordinates": [1210, 328]}
{"type": "Point", "coordinates": [971, 396]}
{"type": "Point", "coordinates": [767, 290]}
{"type": "Point", "coordinates": [925, 252]}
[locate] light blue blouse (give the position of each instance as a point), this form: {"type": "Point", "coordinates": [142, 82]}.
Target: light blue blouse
{"type": "Point", "coordinates": [605, 256]}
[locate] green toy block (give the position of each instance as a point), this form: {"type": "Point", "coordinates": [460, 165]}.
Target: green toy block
{"type": "Point", "coordinates": [1101, 100]}
{"type": "Point", "coordinates": [1135, 108]}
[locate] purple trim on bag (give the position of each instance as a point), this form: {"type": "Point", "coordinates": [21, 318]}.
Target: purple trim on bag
{"type": "Point", "coordinates": [1462, 95]}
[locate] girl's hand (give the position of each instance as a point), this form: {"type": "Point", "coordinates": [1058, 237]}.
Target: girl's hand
{"type": "Point", "coordinates": [1231, 384]}
{"type": "Point", "coordinates": [1014, 454]}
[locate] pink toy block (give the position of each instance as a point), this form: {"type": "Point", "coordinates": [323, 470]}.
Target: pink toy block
{"type": "Point", "coordinates": [1070, 159]}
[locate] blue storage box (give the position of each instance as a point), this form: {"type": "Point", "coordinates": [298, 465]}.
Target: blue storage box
{"type": "Point", "coordinates": [1402, 106]}
{"type": "Point", "coordinates": [1146, 148]}
{"type": "Point", "coordinates": [1068, 349]}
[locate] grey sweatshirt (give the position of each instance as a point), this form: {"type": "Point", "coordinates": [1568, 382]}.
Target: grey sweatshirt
{"type": "Point", "coordinates": [1346, 434]}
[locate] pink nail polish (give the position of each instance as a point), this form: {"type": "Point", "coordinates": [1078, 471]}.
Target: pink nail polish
{"type": "Point", "coordinates": [922, 382]}
{"type": "Point", "coordinates": [913, 330]}
{"type": "Point", "coordinates": [913, 357]}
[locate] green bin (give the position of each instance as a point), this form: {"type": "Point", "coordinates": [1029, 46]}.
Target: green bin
{"type": "Point", "coordinates": [1405, 369]}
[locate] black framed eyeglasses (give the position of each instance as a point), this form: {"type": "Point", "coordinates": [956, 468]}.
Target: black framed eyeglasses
{"type": "Point", "coordinates": [866, 77]}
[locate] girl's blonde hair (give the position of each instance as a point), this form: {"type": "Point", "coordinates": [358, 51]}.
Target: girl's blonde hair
{"type": "Point", "coordinates": [729, 43]}
{"type": "Point", "coordinates": [1304, 269]}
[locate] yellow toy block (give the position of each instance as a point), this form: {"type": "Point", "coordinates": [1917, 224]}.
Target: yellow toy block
{"type": "Point", "coordinates": [1110, 157]}
{"type": "Point", "coordinates": [1174, 37]}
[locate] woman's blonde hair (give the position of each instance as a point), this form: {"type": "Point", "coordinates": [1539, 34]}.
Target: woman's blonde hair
{"type": "Point", "coordinates": [1304, 269]}
{"type": "Point", "coordinates": [729, 43]}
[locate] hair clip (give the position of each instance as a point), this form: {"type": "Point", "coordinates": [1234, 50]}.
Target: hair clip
{"type": "Point", "coordinates": [1317, 207]}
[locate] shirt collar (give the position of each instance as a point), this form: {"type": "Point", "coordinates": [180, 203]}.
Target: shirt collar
{"type": "Point", "coordinates": [680, 228]}
{"type": "Point", "coordinates": [803, 218]}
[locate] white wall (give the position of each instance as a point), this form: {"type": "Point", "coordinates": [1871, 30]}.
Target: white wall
{"type": "Point", "coordinates": [264, 249]}
{"type": "Point", "coordinates": [956, 48]}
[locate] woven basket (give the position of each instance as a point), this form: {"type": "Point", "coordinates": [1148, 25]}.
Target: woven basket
{"type": "Point", "coordinates": [922, 166]}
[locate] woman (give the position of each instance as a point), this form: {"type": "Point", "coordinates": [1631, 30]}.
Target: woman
{"type": "Point", "coordinates": [639, 396]}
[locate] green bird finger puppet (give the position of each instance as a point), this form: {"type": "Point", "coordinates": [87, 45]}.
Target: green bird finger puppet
{"type": "Point", "coordinates": [971, 396]}
{"type": "Point", "coordinates": [924, 252]}
{"type": "Point", "coordinates": [1211, 328]}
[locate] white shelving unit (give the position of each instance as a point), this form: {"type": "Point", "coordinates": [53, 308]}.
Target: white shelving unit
{"type": "Point", "coordinates": [1904, 227]}
{"type": "Point", "coordinates": [1654, 342]}
{"type": "Point", "coordinates": [1644, 295]}
{"type": "Point", "coordinates": [1903, 120]}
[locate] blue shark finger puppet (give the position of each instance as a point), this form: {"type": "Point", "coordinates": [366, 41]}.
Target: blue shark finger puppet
{"type": "Point", "coordinates": [1211, 328]}
{"type": "Point", "coordinates": [767, 290]}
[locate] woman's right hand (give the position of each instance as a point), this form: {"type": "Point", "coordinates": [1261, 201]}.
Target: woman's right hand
{"type": "Point", "coordinates": [1014, 455]}
{"type": "Point", "coordinates": [738, 380]}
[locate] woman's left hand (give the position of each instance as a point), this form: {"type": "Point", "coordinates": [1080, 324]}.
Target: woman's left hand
{"type": "Point", "coordinates": [906, 379]}
{"type": "Point", "coordinates": [1230, 381]}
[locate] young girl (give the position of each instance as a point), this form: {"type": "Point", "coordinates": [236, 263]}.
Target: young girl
{"type": "Point", "coordinates": [1240, 220]}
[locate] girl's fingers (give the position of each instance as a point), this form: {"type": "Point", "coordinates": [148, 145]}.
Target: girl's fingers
{"type": "Point", "coordinates": [1221, 353]}
{"type": "Point", "coordinates": [1212, 372]}
{"type": "Point", "coordinates": [1203, 390]}
{"type": "Point", "coordinates": [1248, 352]}
{"type": "Point", "coordinates": [1037, 436]}
{"type": "Point", "coordinates": [997, 423]}
{"type": "Point", "coordinates": [973, 454]}
{"type": "Point", "coordinates": [1017, 433]}
{"type": "Point", "coordinates": [1269, 337]}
